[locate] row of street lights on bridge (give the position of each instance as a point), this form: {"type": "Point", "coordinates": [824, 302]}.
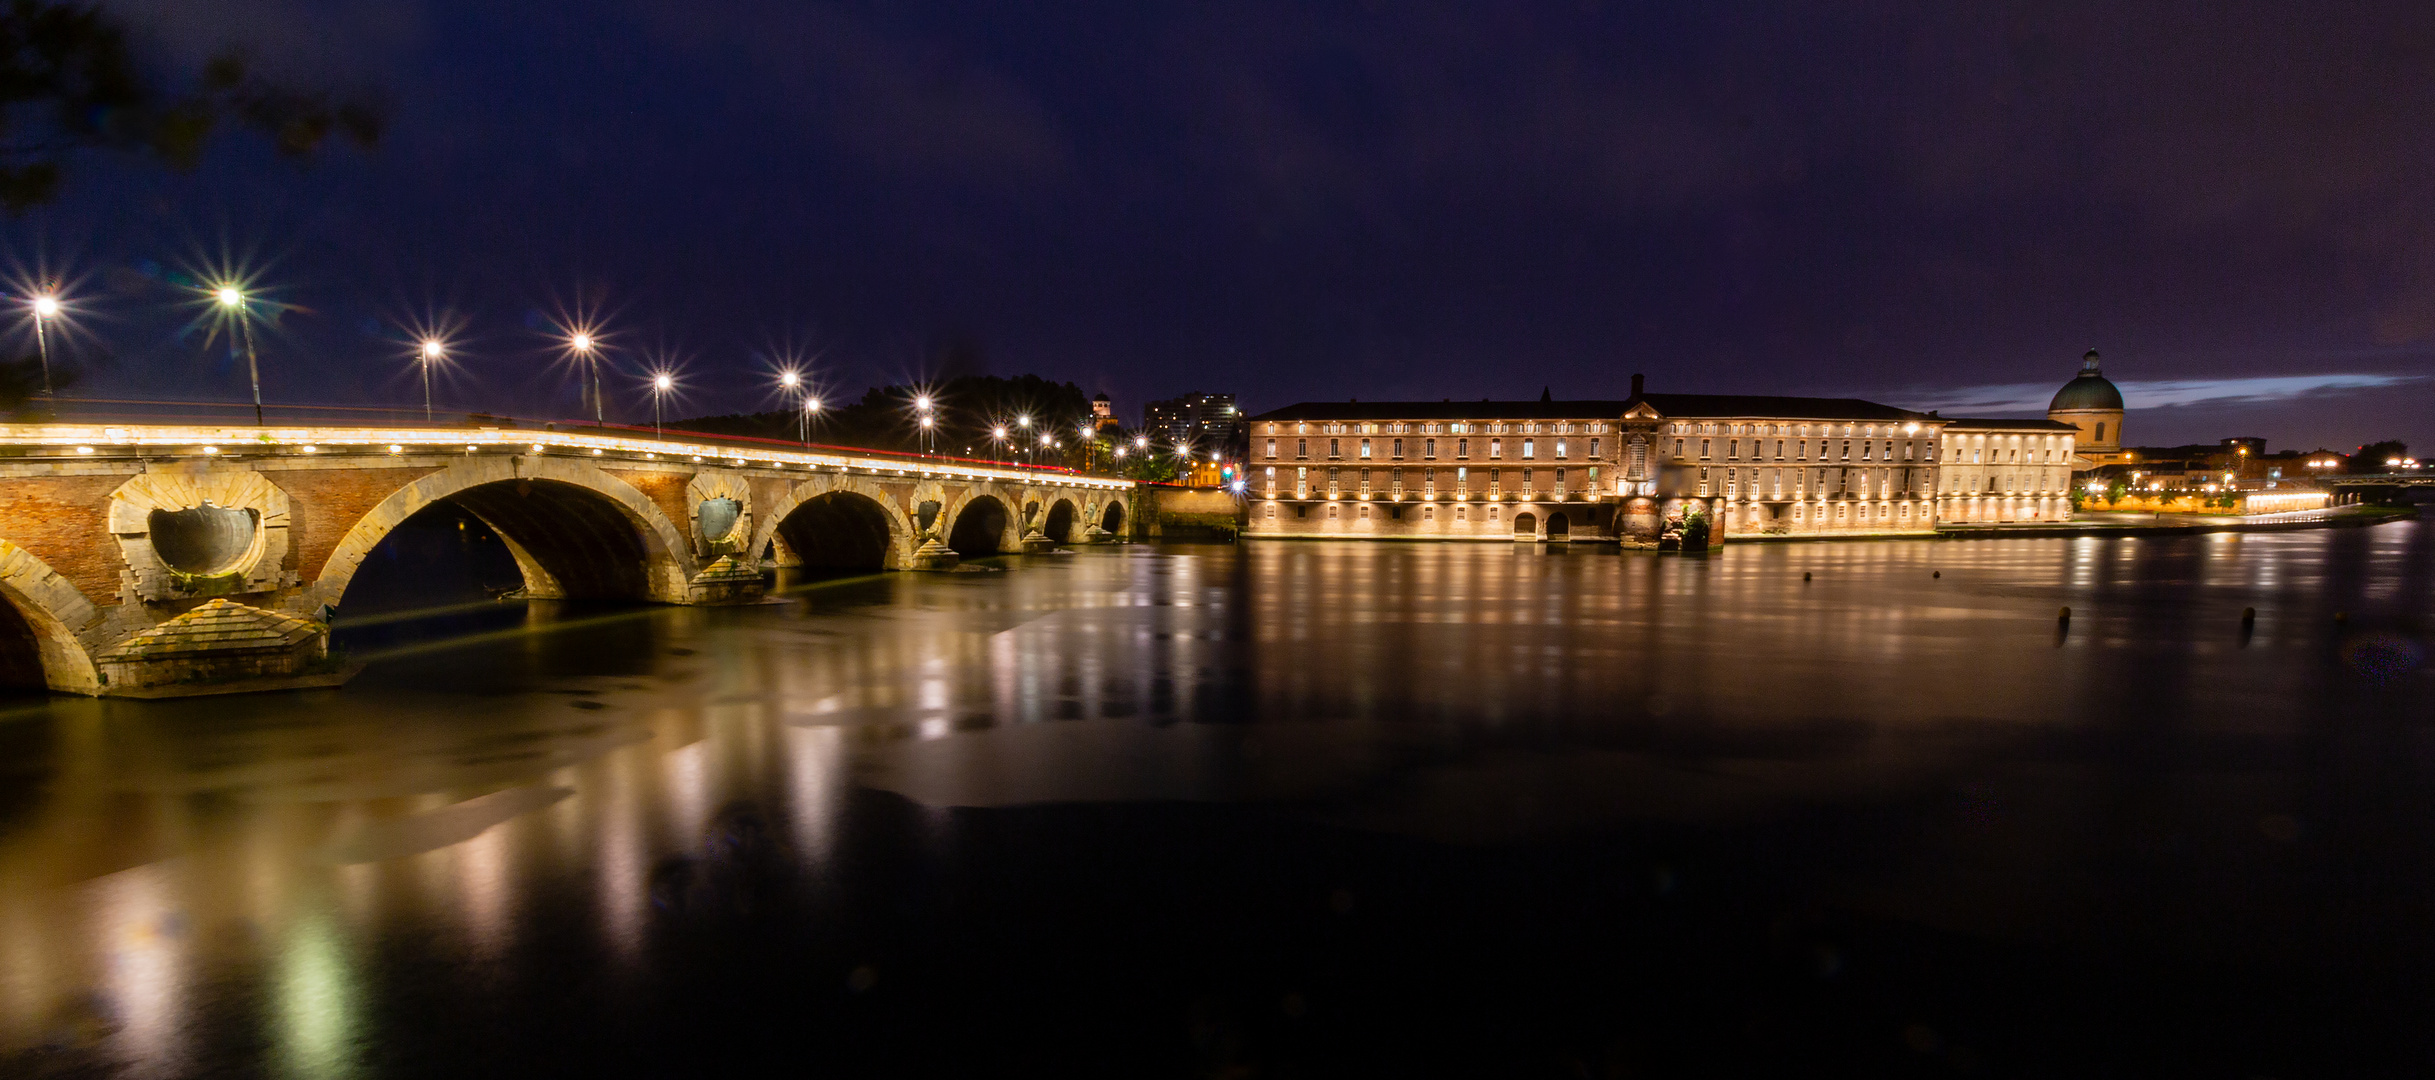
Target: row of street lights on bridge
{"type": "Point", "coordinates": [584, 349]}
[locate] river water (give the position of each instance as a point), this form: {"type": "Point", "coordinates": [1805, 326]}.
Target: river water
{"type": "Point", "coordinates": [1281, 809]}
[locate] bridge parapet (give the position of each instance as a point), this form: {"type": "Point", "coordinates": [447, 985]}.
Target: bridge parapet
{"type": "Point", "coordinates": [108, 531]}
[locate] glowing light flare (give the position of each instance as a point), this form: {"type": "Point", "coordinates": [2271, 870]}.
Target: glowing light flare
{"type": "Point", "coordinates": [228, 296]}
{"type": "Point", "coordinates": [433, 349]}
{"type": "Point", "coordinates": [662, 383]}
{"type": "Point", "coordinates": [46, 306]}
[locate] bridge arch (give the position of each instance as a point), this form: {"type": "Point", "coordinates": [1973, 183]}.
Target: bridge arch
{"type": "Point", "coordinates": [982, 525]}
{"type": "Point", "coordinates": [53, 613]}
{"type": "Point", "coordinates": [1111, 519]}
{"type": "Point", "coordinates": [1062, 518]}
{"type": "Point", "coordinates": [575, 530]}
{"type": "Point", "coordinates": [826, 527]}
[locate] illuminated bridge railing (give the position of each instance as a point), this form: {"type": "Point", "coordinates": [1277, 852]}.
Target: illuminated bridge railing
{"type": "Point", "coordinates": [324, 430]}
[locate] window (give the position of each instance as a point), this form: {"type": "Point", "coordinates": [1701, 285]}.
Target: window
{"type": "Point", "coordinates": [1428, 513]}
{"type": "Point", "coordinates": [1272, 481]}
{"type": "Point", "coordinates": [1733, 449]}
{"type": "Point", "coordinates": [1703, 449]}
{"type": "Point", "coordinates": [1272, 447]}
{"type": "Point", "coordinates": [1678, 449]}
{"type": "Point", "coordinates": [2100, 431]}
{"type": "Point", "coordinates": [1272, 511]}
{"type": "Point", "coordinates": [1847, 449]}
{"type": "Point", "coordinates": [1399, 448]}
{"type": "Point", "coordinates": [1559, 481]}
{"type": "Point", "coordinates": [1365, 449]}
{"type": "Point", "coordinates": [1458, 513]}
{"type": "Point", "coordinates": [1333, 450]}
{"type": "Point", "coordinates": [1496, 448]}
{"type": "Point", "coordinates": [1428, 448]}
{"type": "Point", "coordinates": [1639, 463]}
{"type": "Point", "coordinates": [1530, 449]}
{"type": "Point", "coordinates": [1593, 448]}
{"type": "Point", "coordinates": [1526, 480]}
{"type": "Point", "coordinates": [1331, 510]}
{"type": "Point", "coordinates": [1559, 448]}
{"type": "Point", "coordinates": [1302, 448]}
{"type": "Point", "coordinates": [1462, 448]}
{"type": "Point", "coordinates": [1462, 479]}
{"type": "Point", "coordinates": [1492, 513]}
{"type": "Point", "coordinates": [1365, 511]}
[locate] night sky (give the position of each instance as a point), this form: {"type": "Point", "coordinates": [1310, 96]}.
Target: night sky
{"type": "Point", "coordinates": [1935, 205]}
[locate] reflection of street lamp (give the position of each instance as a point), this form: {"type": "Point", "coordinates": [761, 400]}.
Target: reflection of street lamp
{"type": "Point", "coordinates": [233, 300]}
{"type": "Point", "coordinates": [660, 385]}
{"type": "Point", "coordinates": [432, 351]}
{"type": "Point", "coordinates": [46, 308]}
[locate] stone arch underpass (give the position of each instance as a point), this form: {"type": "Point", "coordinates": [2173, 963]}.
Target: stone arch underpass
{"type": "Point", "coordinates": [576, 531]}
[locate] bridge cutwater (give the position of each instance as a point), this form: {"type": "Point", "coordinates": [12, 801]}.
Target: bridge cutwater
{"type": "Point", "coordinates": [151, 558]}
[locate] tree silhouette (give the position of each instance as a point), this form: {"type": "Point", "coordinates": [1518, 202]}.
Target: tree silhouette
{"type": "Point", "coordinates": [68, 83]}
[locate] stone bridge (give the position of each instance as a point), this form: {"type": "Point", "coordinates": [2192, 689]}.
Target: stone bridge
{"type": "Point", "coordinates": [133, 557]}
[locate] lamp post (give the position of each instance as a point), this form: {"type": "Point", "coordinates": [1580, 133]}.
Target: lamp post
{"type": "Point", "coordinates": [997, 435]}
{"type": "Point", "coordinates": [432, 351]}
{"type": "Point", "coordinates": [921, 407]}
{"type": "Point", "coordinates": [811, 406]}
{"type": "Point", "coordinates": [793, 384]}
{"type": "Point", "coordinates": [1024, 422]}
{"type": "Point", "coordinates": [1084, 431]}
{"type": "Point", "coordinates": [234, 300]}
{"type": "Point", "coordinates": [46, 308]}
{"type": "Point", "coordinates": [660, 385]}
{"type": "Point", "coordinates": [587, 357]}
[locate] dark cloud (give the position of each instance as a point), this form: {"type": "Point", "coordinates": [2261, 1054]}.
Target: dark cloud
{"type": "Point", "coordinates": [1330, 200]}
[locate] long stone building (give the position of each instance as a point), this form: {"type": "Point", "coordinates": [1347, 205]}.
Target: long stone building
{"type": "Point", "coordinates": [1628, 470]}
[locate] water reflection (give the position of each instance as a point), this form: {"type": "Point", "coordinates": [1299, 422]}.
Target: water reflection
{"type": "Point", "coordinates": [538, 801]}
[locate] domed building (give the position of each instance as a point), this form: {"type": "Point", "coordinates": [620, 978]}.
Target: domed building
{"type": "Point", "coordinates": [2092, 404]}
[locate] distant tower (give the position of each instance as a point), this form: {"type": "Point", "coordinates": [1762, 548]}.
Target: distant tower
{"type": "Point", "coordinates": [1103, 412]}
{"type": "Point", "coordinates": [2092, 404]}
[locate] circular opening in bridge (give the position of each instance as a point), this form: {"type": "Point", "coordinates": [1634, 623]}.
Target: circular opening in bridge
{"type": "Point", "coordinates": [1060, 522]}
{"type": "Point", "coordinates": [205, 541]}
{"type": "Point", "coordinates": [718, 518]}
{"type": "Point", "coordinates": [979, 527]}
{"type": "Point", "coordinates": [1113, 519]}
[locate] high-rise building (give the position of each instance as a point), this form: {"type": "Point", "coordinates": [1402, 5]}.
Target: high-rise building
{"type": "Point", "coordinates": [1199, 419]}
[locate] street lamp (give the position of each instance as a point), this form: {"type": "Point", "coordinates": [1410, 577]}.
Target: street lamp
{"type": "Point", "coordinates": [811, 408]}
{"type": "Point", "coordinates": [587, 361]}
{"type": "Point", "coordinates": [46, 308]}
{"type": "Point", "coordinates": [921, 406]}
{"type": "Point", "coordinates": [234, 301]}
{"type": "Point", "coordinates": [432, 351]}
{"type": "Point", "coordinates": [661, 384]}
{"type": "Point", "coordinates": [1084, 431]}
{"type": "Point", "coordinates": [793, 384]}
{"type": "Point", "coordinates": [997, 434]}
